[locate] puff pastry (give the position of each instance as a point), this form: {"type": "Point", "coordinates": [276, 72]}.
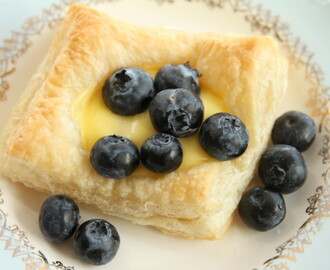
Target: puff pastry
{"type": "Point", "coordinates": [41, 144]}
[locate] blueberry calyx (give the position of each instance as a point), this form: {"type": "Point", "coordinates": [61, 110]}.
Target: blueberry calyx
{"type": "Point", "coordinates": [121, 79]}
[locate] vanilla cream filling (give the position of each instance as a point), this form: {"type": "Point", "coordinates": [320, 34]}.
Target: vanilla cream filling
{"type": "Point", "coordinates": [96, 121]}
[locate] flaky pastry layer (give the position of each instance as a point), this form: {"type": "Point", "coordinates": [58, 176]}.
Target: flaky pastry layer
{"type": "Point", "coordinates": [41, 144]}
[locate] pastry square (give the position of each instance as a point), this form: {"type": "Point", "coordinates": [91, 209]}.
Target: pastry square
{"type": "Point", "coordinates": [42, 144]}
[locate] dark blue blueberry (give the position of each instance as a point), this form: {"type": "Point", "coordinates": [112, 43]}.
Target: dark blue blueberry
{"type": "Point", "coordinates": [177, 76]}
{"type": "Point", "coordinates": [262, 209]}
{"type": "Point", "coordinates": [128, 91]}
{"type": "Point", "coordinates": [114, 157]}
{"type": "Point", "coordinates": [178, 112]}
{"type": "Point", "coordinates": [96, 241]}
{"type": "Point", "coordinates": [294, 128]}
{"type": "Point", "coordinates": [161, 153]}
{"type": "Point", "coordinates": [224, 136]}
{"type": "Point", "coordinates": [282, 168]}
{"type": "Point", "coordinates": [58, 218]}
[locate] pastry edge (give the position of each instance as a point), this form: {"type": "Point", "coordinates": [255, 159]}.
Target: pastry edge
{"type": "Point", "coordinates": [206, 232]}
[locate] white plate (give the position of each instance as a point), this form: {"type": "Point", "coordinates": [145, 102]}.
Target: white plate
{"type": "Point", "coordinates": [23, 247]}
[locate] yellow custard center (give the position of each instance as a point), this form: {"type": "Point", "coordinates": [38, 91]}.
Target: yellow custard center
{"type": "Point", "coordinates": [97, 120]}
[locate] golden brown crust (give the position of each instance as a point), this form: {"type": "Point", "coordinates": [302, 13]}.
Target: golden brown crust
{"type": "Point", "coordinates": [41, 144]}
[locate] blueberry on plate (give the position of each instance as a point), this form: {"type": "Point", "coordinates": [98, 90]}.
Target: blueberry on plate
{"type": "Point", "coordinates": [161, 153]}
{"type": "Point", "coordinates": [294, 128]}
{"type": "Point", "coordinates": [262, 209]}
{"type": "Point", "coordinates": [128, 91]}
{"type": "Point", "coordinates": [58, 218]}
{"type": "Point", "coordinates": [177, 76]}
{"type": "Point", "coordinates": [96, 241]}
{"type": "Point", "coordinates": [282, 168]}
{"type": "Point", "coordinates": [178, 112]}
{"type": "Point", "coordinates": [114, 156]}
{"type": "Point", "coordinates": [224, 136]}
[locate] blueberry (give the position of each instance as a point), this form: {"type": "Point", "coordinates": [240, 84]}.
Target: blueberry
{"type": "Point", "coordinates": [177, 76]}
{"type": "Point", "coordinates": [58, 218]}
{"type": "Point", "coordinates": [161, 153]}
{"type": "Point", "coordinates": [96, 241]}
{"type": "Point", "coordinates": [294, 128]}
{"type": "Point", "coordinates": [114, 156]}
{"type": "Point", "coordinates": [128, 91]}
{"type": "Point", "coordinates": [282, 168]}
{"type": "Point", "coordinates": [262, 209]}
{"type": "Point", "coordinates": [224, 136]}
{"type": "Point", "coordinates": [178, 112]}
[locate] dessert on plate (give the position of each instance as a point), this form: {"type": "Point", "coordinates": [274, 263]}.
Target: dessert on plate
{"type": "Point", "coordinates": [47, 141]}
